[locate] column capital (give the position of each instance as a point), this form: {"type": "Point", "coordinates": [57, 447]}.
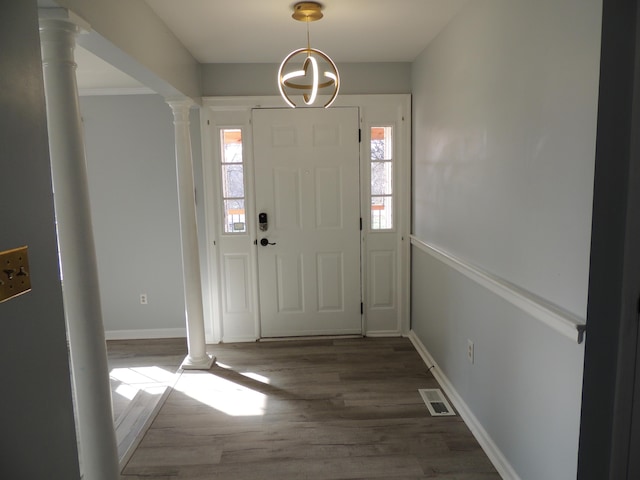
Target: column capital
{"type": "Point", "coordinates": [59, 15]}
{"type": "Point", "coordinates": [180, 108]}
{"type": "Point", "coordinates": [179, 103]}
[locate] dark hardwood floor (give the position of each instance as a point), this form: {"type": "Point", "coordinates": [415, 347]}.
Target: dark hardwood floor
{"type": "Point", "coordinates": [317, 409]}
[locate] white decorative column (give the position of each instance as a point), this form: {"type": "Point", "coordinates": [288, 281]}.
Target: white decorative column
{"type": "Point", "coordinates": [85, 331]}
{"type": "Point", "coordinates": [197, 358]}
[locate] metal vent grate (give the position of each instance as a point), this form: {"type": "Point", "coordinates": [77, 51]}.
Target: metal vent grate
{"type": "Point", "coordinates": [436, 402]}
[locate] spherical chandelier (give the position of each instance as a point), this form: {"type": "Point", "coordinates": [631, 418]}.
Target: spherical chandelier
{"type": "Point", "coordinates": [308, 72]}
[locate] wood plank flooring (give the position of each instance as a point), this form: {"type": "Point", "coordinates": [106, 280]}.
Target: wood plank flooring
{"type": "Point", "coordinates": [317, 410]}
{"type": "Point", "coordinates": [141, 374]}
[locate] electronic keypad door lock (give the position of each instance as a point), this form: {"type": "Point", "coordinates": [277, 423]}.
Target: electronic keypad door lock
{"type": "Point", "coordinates": [263, 223]}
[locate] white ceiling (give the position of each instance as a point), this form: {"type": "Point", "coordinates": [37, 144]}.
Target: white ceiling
{"type": "Point", "coordinates": [262, 31]}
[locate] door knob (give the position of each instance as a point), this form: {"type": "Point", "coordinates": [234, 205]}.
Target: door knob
{"type": "Point", "coordinates": [264, 242]}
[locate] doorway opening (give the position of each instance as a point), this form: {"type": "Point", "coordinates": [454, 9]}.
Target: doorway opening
{"type": "Point", "coordinates": [307, 217]}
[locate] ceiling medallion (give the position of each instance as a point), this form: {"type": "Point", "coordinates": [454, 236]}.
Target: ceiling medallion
{"type": "Point", "coordinates": [308, 71]}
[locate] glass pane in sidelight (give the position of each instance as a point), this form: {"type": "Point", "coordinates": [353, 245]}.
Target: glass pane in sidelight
{"type": "Point", "coordinates": [231, 145]}
{"type": "Point", "coordinates": [234, 216]}
{"type": "Point", "coordinates": [381, 143]}
{"type": "Point", "coordinates": [233, 181]}
{"type": "Point", "coordinates": [381, 178]}
{"type": "Point", "coordinates": [381, 213]}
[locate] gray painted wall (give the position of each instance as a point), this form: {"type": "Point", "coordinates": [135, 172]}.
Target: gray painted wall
{"type": "Point", "coordinates": [236, 79]}
{"type": "Point", "coordinates": [156, 58]}
{"type": "Point", "coordinates": [37, 438]}
{"type": "Point", "coordinates": [504, 104]}
{"type": "Point", "coordinates": [134, 204]}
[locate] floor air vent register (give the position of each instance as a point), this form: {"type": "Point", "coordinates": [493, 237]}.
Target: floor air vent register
{"type": "Point", "coordinates": [436, 402]}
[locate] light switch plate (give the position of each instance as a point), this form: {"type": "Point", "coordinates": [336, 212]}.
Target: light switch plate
{"type": "Point", "coordinates": [14, 273]}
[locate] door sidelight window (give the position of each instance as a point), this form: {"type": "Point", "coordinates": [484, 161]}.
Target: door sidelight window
{"type": "Point", "coordinates": [381, 178]}
{"type": "Point", "coordinates": [233, 183]}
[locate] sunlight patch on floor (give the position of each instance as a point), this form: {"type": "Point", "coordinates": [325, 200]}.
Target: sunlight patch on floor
{"type": "Point", "coordinates": [253, 376]}
{"type": "Point", "coordinates": [152, 380]}
{"type": "Point", "coordinates": [222, 394]}
{"type": "Point", "coordinates": [256, 376]}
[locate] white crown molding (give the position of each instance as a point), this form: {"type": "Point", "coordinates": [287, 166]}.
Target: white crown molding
{"type": "Point", "coordinates": [89, 92]}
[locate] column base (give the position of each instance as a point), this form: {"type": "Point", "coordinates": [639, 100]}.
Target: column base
{"type": "Point", "coordinates": [199, 364]}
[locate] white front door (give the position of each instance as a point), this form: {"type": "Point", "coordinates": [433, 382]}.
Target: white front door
{"type": "Point", "coordinates": [307, 183]}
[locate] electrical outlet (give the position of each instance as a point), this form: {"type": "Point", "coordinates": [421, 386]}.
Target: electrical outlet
{"type": "Point", "coordinates": [143, 299]}
{"type": "Point", "coordinates": [470, 352]}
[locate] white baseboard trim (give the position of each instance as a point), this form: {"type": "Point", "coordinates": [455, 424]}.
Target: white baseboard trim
{"type": "Point", "coordinates": [383, 333]}
{"type": "Point", "coordinates": [145, 334]}
{"type": "Point", "coordinates": [499, 461]}
{"type": "Point", "coordinates": [238, 339]}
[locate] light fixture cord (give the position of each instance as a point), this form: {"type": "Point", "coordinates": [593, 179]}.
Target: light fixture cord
{"type": "Point", "coordinates": [308, 40]}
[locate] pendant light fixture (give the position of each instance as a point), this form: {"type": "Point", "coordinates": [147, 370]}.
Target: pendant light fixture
{"type": "Point", "coordinates": [307, 71]}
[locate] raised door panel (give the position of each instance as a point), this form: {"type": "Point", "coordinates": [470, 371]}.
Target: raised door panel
{"type": "Point", "coordinates": [307, 179]}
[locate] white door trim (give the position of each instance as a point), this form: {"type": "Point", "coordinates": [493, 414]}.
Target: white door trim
{"type": "Point", "coordinates": [236, 111]}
